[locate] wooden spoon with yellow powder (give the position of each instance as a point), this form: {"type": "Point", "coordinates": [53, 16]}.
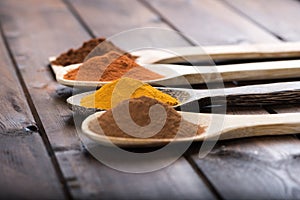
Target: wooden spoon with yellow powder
{"type": "Point", "coordinates": [111, 94]}
{"type": "Point", "coordinates": [262, 94]}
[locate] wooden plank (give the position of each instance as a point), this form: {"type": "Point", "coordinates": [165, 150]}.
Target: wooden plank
{"type": "Point", "coordinates": [23, 156]}
{"type": "Point", "coordinates": [26, 169]}
{"type": "Point", "coordinates": [92, 13]}
{"type": "Point", "coordinates": [80, 173]}
{"type": "Point", "coordinates": [257, 171]}
{"type": "Point", "coordinates": [44, 34]}
{"type": "Point", "coordinates": [123, 16]}
{"type": "Point", "coordinates": [281, 19]}
{"type": "Point", "coordinates": [245, 168]}
{"type": "Point", "coordinates": [110, 17]}
{"type": "Point", "coordinates": [85, 14]}
{"type": "Point", "coordinates": [50, 105]}
{"type": "Point", "coordinates": [278, 17]}
{"type": "Point", "coordinates": [260, 168]}
{"type": "Point", "coordinates": [15, 113]}
{"type": "Point", "coordinates": [91, 179]}
{"type": "Point", "coordinates": [210, 22]}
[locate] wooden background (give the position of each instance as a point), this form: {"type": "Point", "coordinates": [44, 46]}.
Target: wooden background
{"type": "Point", "coordinates": [40, 154]}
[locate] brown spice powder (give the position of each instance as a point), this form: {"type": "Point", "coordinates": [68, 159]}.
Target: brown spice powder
{"type": "Point", "coordinates": [139, 113]}
{"type": "Point", "coordinates": [89, 48]}
{"type": "Point", "coordinates": [110, 67]}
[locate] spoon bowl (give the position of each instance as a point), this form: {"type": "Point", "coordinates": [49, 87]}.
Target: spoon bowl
{"type": "Point", "coordinates": [182, 95]}
{"type": "Point", "coordinates": [174, 75]}
{"type": "Point", "coordinates": [253, 95]}
{"type": "Point", "coordinates": [216, 127]}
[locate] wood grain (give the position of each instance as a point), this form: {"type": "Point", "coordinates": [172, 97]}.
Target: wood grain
{"type": "Point", "coordinates": [278, 17]}
{"type": "Point", "coordinates": [272, 20]}
{"type": "Point", "coordinates": [216, 28]}
{"type": "Point", "coordinates": [256, 95]}
{"type": "Point", "coordinates": [90, 13]}
{"type": "Point", "coordinates": [26, 169]}
{"type": "Point", "coordinates": [48, 99]}
{"type": "Point", "coordinates": [270, 169]}
{"type": "Point", "coordinates": [229, 53]}
{"type": "Point", "coordinates": [283, 24]}
{"type": "Point", "coordinates": [286, 108]}
{"type": "Point", "coordinates": [262, 167]}
{"type": "Point", "coordinates": [259, 167]}
{"type": "Point", "coordinates": [246, 168]}
{"type": "Point", "coordinates": [15, 113]}
{"type": "Point", "coordinates": [31, 50]}
{"type": "Point", "coordinates": [23, 156]}
{"type": "Point", "coordinates": [123, 16]}
{"type": "Point", "coordinates": [209, 22]}
{"type": "Point", "coordinates": [90, 179]}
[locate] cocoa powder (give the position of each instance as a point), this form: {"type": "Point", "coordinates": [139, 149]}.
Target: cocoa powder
{"type": "Point", "coordinates": [139, 113]}
{"type": "Point", "coordinates": [110, 67]}
{"type": "Point", "coordinates": [88, 49]}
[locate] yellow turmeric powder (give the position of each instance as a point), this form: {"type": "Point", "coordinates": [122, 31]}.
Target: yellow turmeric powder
{"type": "Point", "coordinates": [113, 93]}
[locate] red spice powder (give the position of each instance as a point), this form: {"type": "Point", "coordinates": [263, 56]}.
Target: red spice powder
{"type": "Point", "coordinates": [110, 67]}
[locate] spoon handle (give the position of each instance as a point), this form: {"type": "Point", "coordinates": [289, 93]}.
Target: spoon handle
{"type": "Point", "coordinates": [253, 95]}
{"type": "Point", "coordinates": [237, 126]}
{"type": "Point", "coordinates": [260, 70]}
{"type": "Point", "coordinates": [233, 72]}
{"type": "Point", "coordinates": [231, 52]}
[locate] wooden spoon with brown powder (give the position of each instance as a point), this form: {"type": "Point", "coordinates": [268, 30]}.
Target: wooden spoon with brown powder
{"type": "Point", "coordinates": [196, 127]}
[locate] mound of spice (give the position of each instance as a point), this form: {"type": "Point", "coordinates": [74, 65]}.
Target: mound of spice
{"type": "Point", "coordinates": [110, 67]}
{"type": "Point", "coordinates": [174, 124]}
{"type": "Point", "coordinates": [113, 93]}
{"type": "Point", "coordinates": [91, 48]}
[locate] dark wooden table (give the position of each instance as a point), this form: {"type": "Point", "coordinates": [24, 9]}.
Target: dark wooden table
{"type": "Point", "coordinates": [40, 153]}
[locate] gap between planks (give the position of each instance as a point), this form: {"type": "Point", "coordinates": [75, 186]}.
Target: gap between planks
{"type": "Point", "coordinates": [41, 126]}
{"type": "Point", "coordinates": [166, 21]}
{"type": "Point", "coordinates": [269, 112]}
{"type": "Point", "coordinates": [77, 16]}
{"type": "Point", "coordinates": [202, 176]}
{"type": "Point", "coordinates": [37, 119]}
{"type": "Point", "coordinates": [171, 26]}
{"type": "Point", "coordinates": [250, 19]}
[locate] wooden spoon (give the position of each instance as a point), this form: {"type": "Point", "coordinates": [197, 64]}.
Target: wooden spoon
{"type": "Point", "coordinates": [217, 127]}
{"type": "Point", "coordinates": [263, 94]}
{"type": "Point", "coordinates": [227, 52]}
{"type": "Point", "coordinates": [183, 75]}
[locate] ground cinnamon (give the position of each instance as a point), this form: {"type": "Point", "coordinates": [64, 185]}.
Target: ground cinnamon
{"type": "Point", "coordinates": [139, 113]}
{"type": "Point", "coordinates": [89, 48]}
{"type": "Point", "coordinates": [110, 67]}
